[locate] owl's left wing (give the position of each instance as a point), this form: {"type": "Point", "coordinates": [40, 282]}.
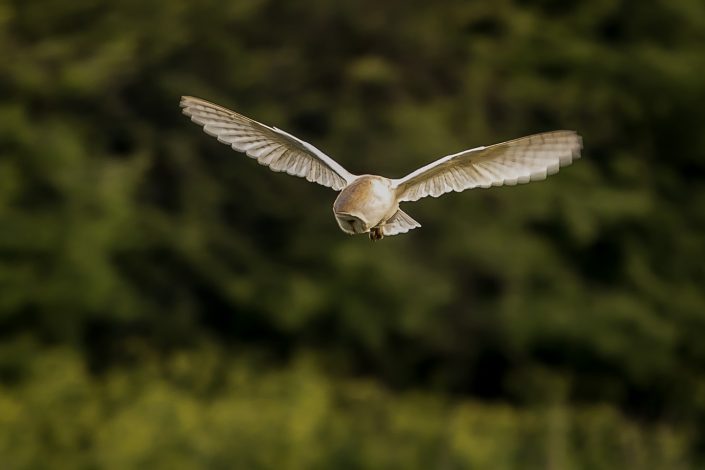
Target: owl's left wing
{"type": "Point", "coordinates": [270, 146]}
{"type": "Point", "coordinates": [516, 161]}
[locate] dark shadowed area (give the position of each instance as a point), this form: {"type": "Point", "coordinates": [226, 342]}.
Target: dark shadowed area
{"type": "Point", "coordinates": [168, 303]}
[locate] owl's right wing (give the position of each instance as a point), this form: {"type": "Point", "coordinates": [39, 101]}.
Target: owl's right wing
{"type": "Point", "coordinates": [270, 146]}
{"type": "Point", "coordinates": [516, 161]}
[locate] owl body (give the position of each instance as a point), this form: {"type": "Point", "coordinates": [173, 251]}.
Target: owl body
{"type": "Point", "coordinates": [368, 202]}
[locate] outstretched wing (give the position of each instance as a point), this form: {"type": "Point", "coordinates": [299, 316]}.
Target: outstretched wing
{"type": "Point", "coordinates": [270, 146]}
{"type": "Point", "coordinates": [516, 161]}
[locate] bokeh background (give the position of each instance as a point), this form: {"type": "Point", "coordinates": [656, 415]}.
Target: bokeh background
{"type": "Point", "coordinates": [168, 303]}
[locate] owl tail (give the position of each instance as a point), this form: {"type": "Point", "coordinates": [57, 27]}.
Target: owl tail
{"type": "Point", "coordinates": [400, 222]}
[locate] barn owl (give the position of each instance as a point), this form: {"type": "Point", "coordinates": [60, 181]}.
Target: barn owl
{"type": "Point", "coordinates": [370, 203]}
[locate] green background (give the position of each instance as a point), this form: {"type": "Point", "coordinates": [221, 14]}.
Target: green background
{"type": "Point", "coordinates": [168, 303]}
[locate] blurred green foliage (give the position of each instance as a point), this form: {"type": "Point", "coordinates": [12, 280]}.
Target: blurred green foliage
{"type": "Point", "coordinates": [196, 410]}
{"type": "Point", "coordinates": [158, 291]}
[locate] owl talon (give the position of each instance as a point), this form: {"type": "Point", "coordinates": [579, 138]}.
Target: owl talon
{"type": "Point", "coordinates": [376, 234]}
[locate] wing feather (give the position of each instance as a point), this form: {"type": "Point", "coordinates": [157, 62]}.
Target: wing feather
{"type": "Point", "coordinates": [521, 160]}
{"type": "Point", "coordinates": [270, 146]}
{"type": "Point", "coordinates": [400, 222]}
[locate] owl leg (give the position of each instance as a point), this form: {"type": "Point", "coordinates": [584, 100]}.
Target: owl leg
{"type": "Point", "coordinates": [376, 234]}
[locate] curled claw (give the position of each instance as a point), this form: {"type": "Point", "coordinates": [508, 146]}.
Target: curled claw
{"type": "Point", "coordinates": [376, 234]}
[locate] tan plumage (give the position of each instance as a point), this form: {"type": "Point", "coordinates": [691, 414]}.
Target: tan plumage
{"type": "Point", "coordinates": [370, 203]}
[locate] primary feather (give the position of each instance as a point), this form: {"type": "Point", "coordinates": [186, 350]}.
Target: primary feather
{"type": "Point", "coordinates": [516, 161]}
{"type": "Point", "coordinates": [270, 146]}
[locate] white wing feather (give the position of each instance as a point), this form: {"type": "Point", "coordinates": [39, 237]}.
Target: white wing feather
{"type": "Point", "coordinates": [516, 161]}
{"type": "Point", "coordinates": [270, 146]}
{"type": "Point", "coordinates": [400, 222]}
